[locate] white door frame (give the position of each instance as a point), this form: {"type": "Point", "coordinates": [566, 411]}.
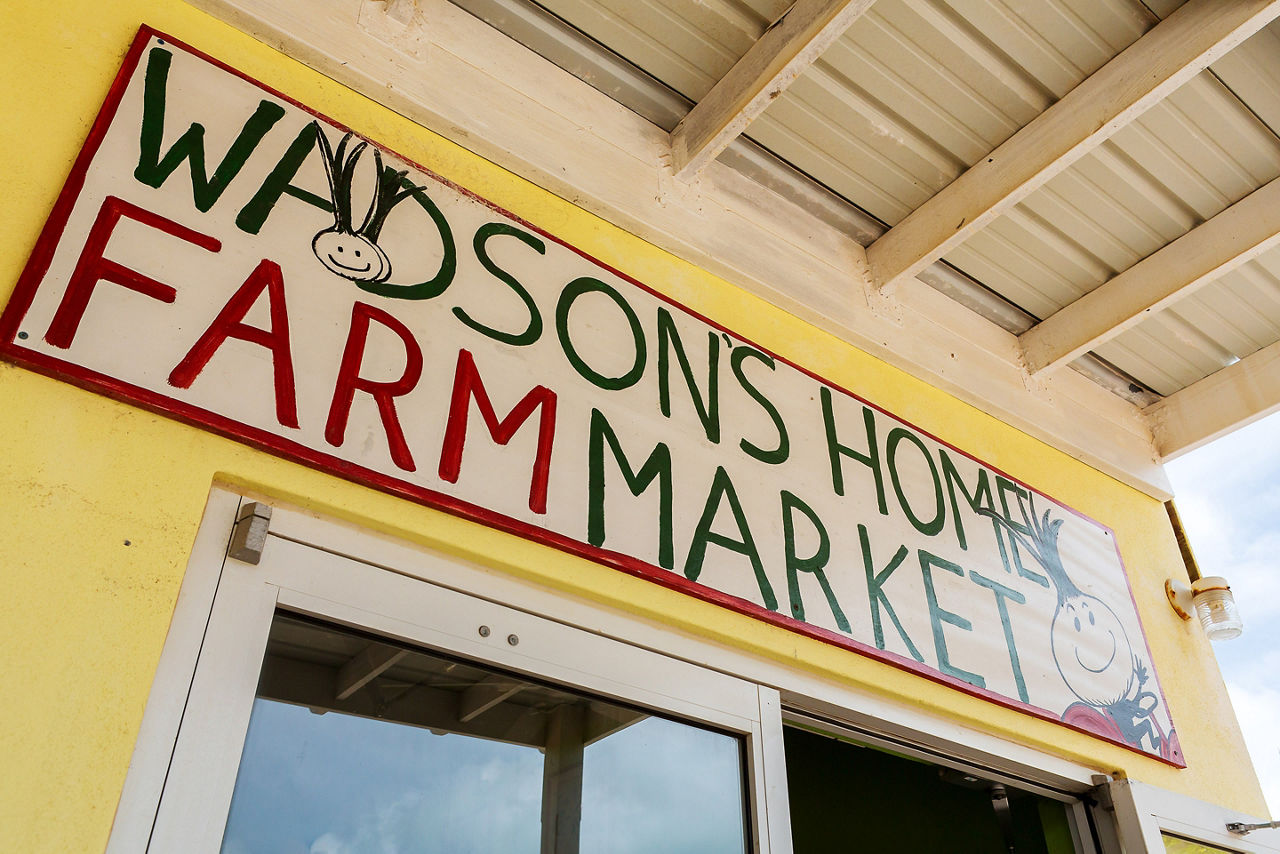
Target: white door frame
{"type": "Point", "coordinates": [1145, 812]}
{"type": "Point", "coordinates": [208, 674]}
{"type": "Point", "coordinates": [179, 787]}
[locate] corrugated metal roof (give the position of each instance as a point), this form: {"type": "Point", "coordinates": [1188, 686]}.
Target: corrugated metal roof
{"type": "Point", "coordinates": [1216, 326]}
{"type": "Point", "coordinates": [916, 91]}
{"type": "Point", "coordinates": [919, 90]}
{"type": "Point", "coordinates": [687, 45]}
{"type": "Point", "coordinates": [1174, 167]}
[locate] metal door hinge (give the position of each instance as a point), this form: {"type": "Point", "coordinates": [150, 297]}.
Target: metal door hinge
{"type": "Point", "coordinates": [250, 533]}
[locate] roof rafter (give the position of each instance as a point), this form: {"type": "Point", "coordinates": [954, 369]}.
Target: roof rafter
{"type": "Point", "coordinates": [1173, 52]}
{"type": "Point", "coordinates": [370, 663]}
{"type": "Point", "coordinates": [1212, 249]}
{"type": "Point", "coordinates": [1224, 401]}
{"type": "Point", "coordinates": [787, 48]}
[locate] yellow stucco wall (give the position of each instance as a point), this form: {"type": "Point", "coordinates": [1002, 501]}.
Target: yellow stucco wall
{"type": "Point", "coordinates": [102, 500]}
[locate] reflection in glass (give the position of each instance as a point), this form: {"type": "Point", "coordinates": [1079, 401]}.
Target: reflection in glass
{"type": "Point", "coordinates": [358, 746]}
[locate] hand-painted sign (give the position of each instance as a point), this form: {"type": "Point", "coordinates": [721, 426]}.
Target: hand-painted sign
{"type": "Point", "coordinates": [226, 256]}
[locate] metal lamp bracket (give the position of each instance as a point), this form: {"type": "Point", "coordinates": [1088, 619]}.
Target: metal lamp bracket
{"type": "Point", "coordinates": [1180, 597]}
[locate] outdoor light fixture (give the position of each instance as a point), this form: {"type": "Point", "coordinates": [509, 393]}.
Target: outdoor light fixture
{"type": "Point", "coordinates": [1212, 602]}
{"type": "Point", "coordinates": [1208, 596]}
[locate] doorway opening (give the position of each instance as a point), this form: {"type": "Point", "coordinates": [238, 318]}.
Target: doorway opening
{"type": "Point", "coordinates": [849, 796]}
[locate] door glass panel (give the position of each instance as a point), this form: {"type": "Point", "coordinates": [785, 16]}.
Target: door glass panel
{"type": "Point", "coordinates": [357, 745]}
{"type": "Point", "coordinates": [1178, 845]}
{"type": "Point", "coordinates": [852, 797]}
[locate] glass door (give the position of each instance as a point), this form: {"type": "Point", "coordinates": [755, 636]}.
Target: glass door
{"type": "Point", "coordinates": [359, 745]}
{"type": "Point", "coordinates": [337, 707]}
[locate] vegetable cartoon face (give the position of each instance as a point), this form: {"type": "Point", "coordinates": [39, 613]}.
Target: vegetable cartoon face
{"type": "Point", "coordinates": [349, 251]}
{"type": "Point", "coordinates": [1092, 651]}
{"type": "Point", "coordinates": [352, 256]}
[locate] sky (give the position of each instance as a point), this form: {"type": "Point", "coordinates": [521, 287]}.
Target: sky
{"type": "Point", "coordinates": [1228, 496]}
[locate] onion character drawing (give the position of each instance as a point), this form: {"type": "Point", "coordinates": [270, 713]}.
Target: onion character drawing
{"type": "Point", "coordinates": [349, 251]}
{"type": "Point", "coordinates": [1092, 651]}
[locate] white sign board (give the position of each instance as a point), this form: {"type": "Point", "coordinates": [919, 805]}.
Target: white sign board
{"type": "Point", "coordinates": [224, 255]}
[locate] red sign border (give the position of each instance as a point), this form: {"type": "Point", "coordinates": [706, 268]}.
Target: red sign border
{"type": "Point", "coordinates": [42, 256]}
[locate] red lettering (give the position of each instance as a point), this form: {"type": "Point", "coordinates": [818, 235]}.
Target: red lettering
{"type": "Point", "coordinates": [230, 324]}
{"type": "Point", "coordinates": [467, 385]}
{"type": "Point", "coordinates": [92, 267]}
{"type": "Point", "coordinates": [384, 393]}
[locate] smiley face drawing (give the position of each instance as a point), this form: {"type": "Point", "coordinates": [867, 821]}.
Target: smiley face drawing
{"type": "Point", "coordinates": [351, 256]}
{"type": "Point", "coordinates": [1092, 651]}
{"type": "Point", "coordinates": [343, 248]}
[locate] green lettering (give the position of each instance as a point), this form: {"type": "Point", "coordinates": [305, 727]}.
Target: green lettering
{"type": "Point", "coordinates": [813, 564]}
{"type": "Point", "coordinates": [437, 284]}
{"type": "Point", "coordinates": [975, 499]}
{"type": "Point", "coordinates": [722, 490]}
{"type": "Point", "coordinates": [835, 450]}
{"type": "Point", "coordinates": [933, 526]}
{"type": "Point", "coordinates": [533, 330]}
{"type": "Point", "coordinates": [779, 454]}
{"type": "Point", "coordinates": [568, 296]}
{"type": "Point", "coordinates": [279, 183]}
{"type": "Point", "coordinates": [708, 411]}
{"type": "Point", "coordinates": [656, 467]}
{"type": "Point", "coordinates": [153, 171]}
{"type": "Point", "coordinates": [878, 599]}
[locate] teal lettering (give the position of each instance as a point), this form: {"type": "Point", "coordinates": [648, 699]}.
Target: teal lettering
{"type": "Point", "coordinates": [938, 615]}
{"type": "Point", "coordinates": [1002, 594]}
{"type": "Point", "coordinates": [878, 599]}
{"type": "Point", "coordinates": [1011, 557]}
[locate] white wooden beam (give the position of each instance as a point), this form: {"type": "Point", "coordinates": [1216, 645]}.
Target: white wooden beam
{"type": "Point", "coordinates": [1173, 52]}
{"type": "Point", "coordinates": [486, 694]}
{"type": "Point", "coordinates": [1235, 236]}
{"type": "Point", "coordinates": [1224, 401]}
{"type": "Point", "coordinates": [370, 663]}
{"type": "Point", "coordinates": [774, 62]}
{"type": "Point", "coordinates": [604, 720]}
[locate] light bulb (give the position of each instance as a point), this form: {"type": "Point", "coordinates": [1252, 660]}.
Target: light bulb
{"type": "Point", "coordinates": [1216, 609]}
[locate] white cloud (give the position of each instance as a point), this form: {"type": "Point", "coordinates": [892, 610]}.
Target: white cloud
{"type": "Point", "coordinates": [1228, 496]}
{"type": "Point", "coordinates": [1256, 708]}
